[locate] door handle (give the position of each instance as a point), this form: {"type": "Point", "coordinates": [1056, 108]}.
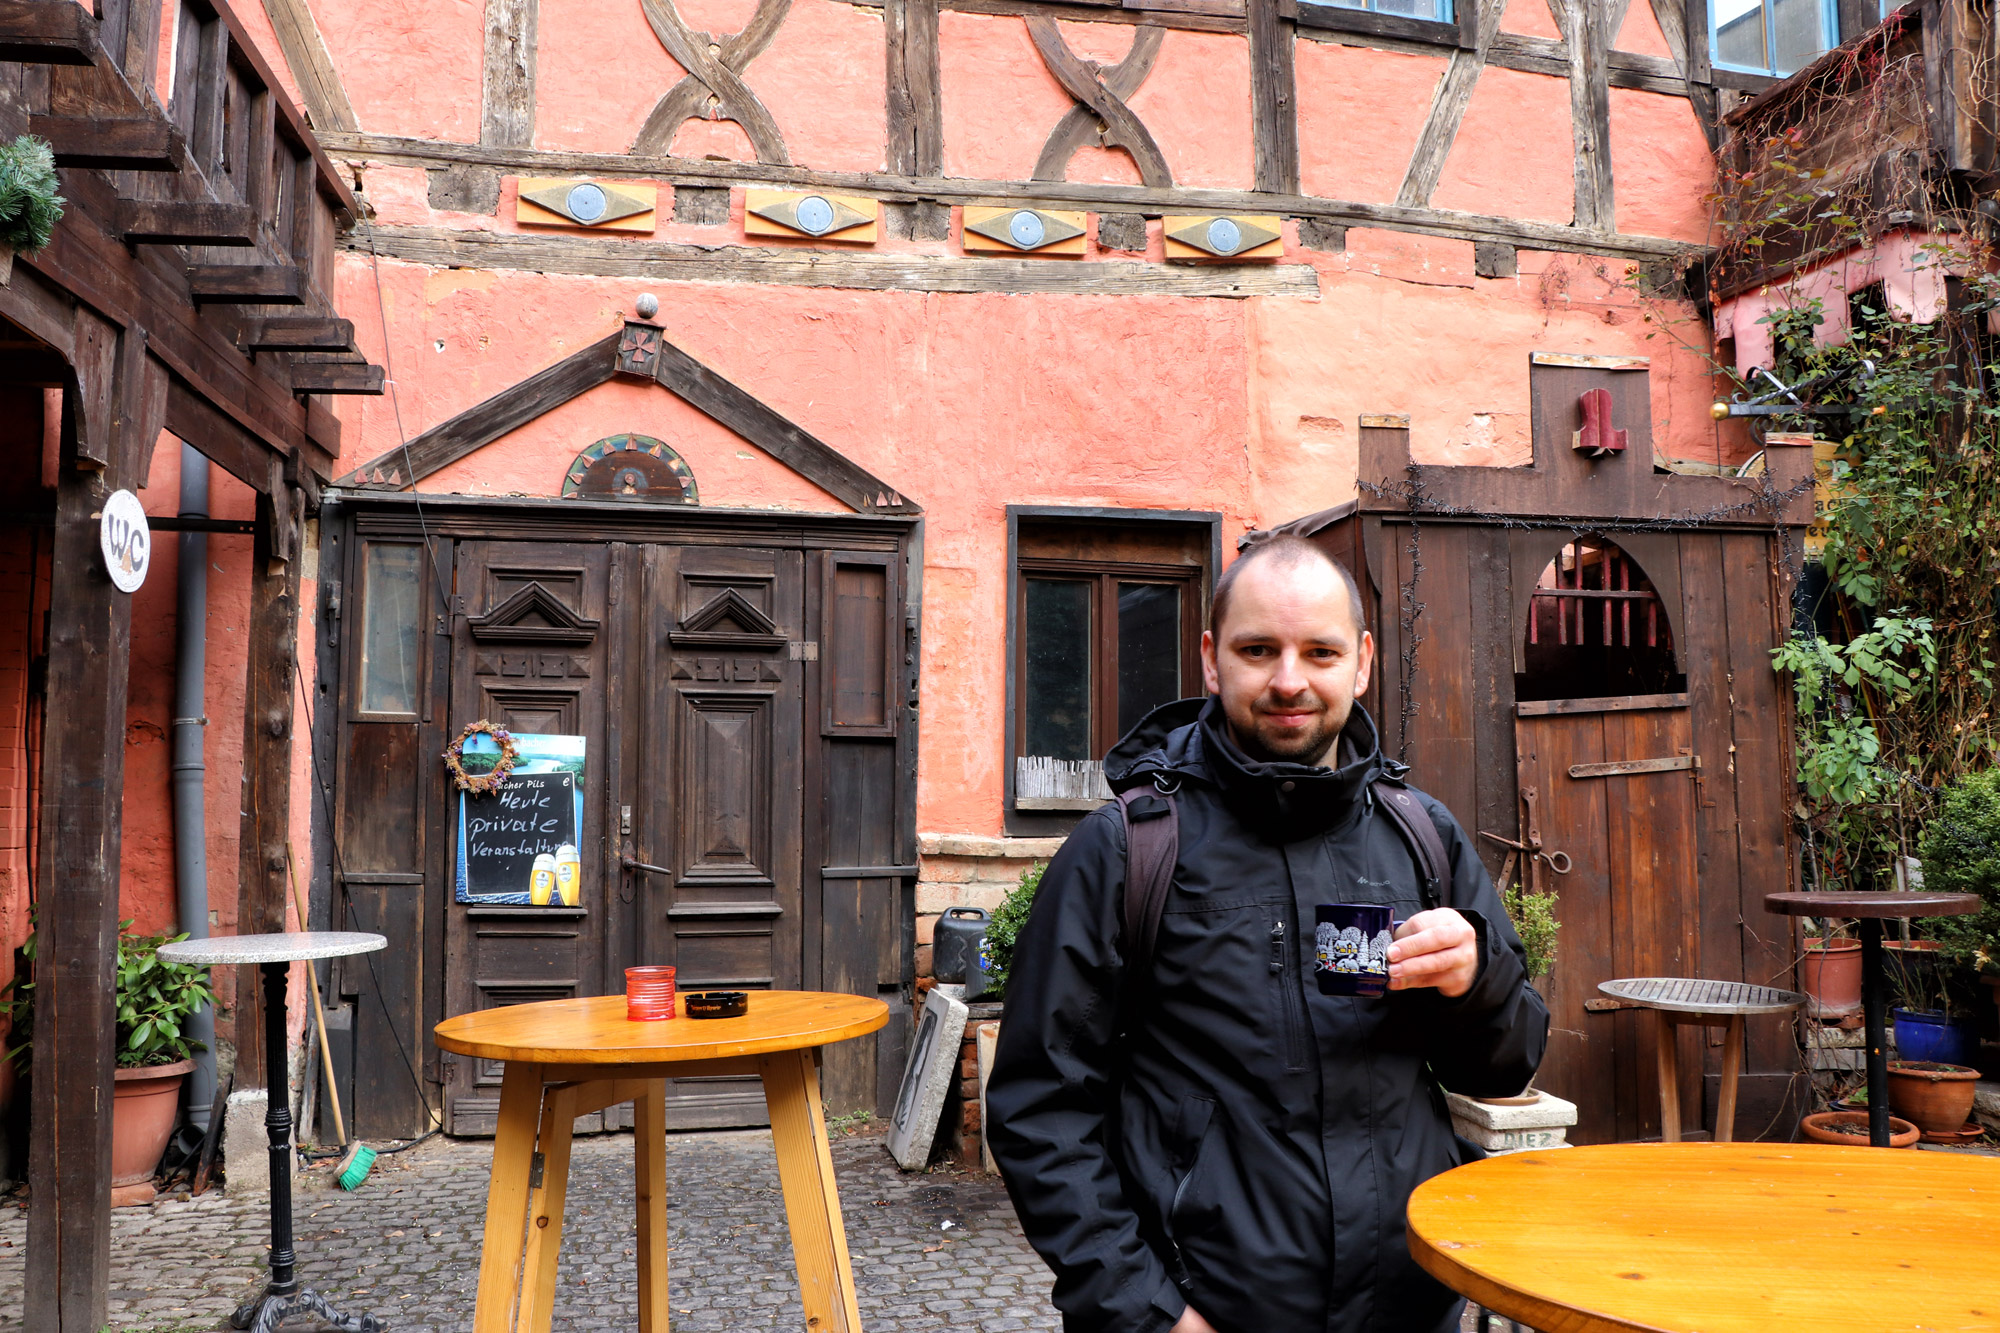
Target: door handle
{"type": "Point", "coordinates": [631, 864]}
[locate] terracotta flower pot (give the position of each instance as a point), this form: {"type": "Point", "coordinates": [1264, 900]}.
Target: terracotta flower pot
{"type": "Point", "coordinates": [1830, 973]}
{"type": "Point", "coordinates": [1828, 1127]}
{"type": "Point", "coordinates": [145, 1104]}
{"type": "Point", "coordinates": [1937, 1097]}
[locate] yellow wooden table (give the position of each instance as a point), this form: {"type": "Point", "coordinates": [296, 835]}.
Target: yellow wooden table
{"type": "Point", "coordinates": [567, 1058]}
{"type": "Point", "coordinates": [1720, 1238]}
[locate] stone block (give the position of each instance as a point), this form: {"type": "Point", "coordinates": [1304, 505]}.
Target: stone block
{"type": "Point", "coordinates": [1986, 1103]}
{"type": "Point", "coordinates": [1008, 868]}
{"type": "Point", "coordinates": [926, 929]}
{"type": "Point", "coordinates": [944, 869]}
{"type": "Point", "coordinates": [1547, 1111]}
{"type": "Point", "coordinates": [973, 844]}
{"type": "Point", "coordinates": [1500, 1142]}
{"type": "Point", "coordinates": [928, 1076]}
{"type": "Point", "coordinates": [246, 1145]}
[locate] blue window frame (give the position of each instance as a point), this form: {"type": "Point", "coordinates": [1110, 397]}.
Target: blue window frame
{"type": "Point", "coordinates": [1439, 11]}
{"type": "Point", "coordinates": [1774, 37]}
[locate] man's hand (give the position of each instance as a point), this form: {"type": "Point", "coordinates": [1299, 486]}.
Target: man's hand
{"type": "Point", "coordinates": [1435, 948]}
{"type": "Point", "coordinates": [1192, 1322]}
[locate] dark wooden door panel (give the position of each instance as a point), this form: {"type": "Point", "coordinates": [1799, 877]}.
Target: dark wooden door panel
{"type": "Point", "coordinates": [721, 784]}
{"type": "Point", "coordinates": [530, 651]}
{"type": "Point", "coordinates": [1629, 905]}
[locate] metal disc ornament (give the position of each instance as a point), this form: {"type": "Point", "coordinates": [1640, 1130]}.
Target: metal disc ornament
{"type": "Point", "coordinates": [1224, 236]}
{"type": "Point", "coordinates": [126, 540]}
{"type": "Point", "coordinates": [586, 202]}
{"type": "Point", "coordinates": [1026, 229]}
{"type": "Point", "coordinates": [815, 215]}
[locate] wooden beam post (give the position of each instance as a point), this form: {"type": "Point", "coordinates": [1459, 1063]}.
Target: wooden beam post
{"type": "Point", "coordinates": [267, 750]}
{"type": "Point", "coordinates": [1273, 98]}
{"type": "Point", "coordinates": [76, 894]}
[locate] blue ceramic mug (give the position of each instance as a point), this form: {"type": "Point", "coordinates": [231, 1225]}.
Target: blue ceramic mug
{"type": "Point", "coordinates": [1351, 948]}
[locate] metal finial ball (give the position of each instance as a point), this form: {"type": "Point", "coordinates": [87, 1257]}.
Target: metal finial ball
{"type": "Point", "coordinates": [1719, 410]}
{"type": "Point", "coordinates": [648, 305]}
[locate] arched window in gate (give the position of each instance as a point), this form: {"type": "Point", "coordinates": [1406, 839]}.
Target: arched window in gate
{"type": "Point", "coordinates": [1596, 629]}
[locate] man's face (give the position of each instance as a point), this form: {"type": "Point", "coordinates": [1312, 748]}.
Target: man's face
{"type": "Point", "coordinates": [1287, 660]}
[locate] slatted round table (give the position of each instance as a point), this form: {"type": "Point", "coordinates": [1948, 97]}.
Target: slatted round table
{"type": "Point", "coordinates": [1677, 1001]}
{"type": "Point", "coordinates": [1871, 909]}
{"type": "Point", "coordinates": [566, 1058]}
{"type": "Point", "coordinates": [1719, 1238]}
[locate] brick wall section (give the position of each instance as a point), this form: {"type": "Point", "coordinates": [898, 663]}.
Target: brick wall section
{"type": "Point", "coordinates": [963, 870]}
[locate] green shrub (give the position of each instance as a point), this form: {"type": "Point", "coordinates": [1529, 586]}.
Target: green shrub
{"type": "Point", "coordinates": [29, 204]}
{"type": "Point", "coordinates": [155, 1000]}
{"type": "Point", "coordinates": [1534, 918]}
{"type": "Point", "coordinates": [1005, 928]}
{"type": "Point", "coordinates": [1961, 854]}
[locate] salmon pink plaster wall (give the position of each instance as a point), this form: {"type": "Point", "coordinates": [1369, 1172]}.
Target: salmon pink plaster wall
{"type": "Point", "coordinates": [1513, 153]}
{"type": "Point", "coordinates": [408, 69]}
{"type": "Point", "coordinates": [598, 71]}
{"type": "Point", "coordinates": [1337, 85]}
{"type": "Point", "coordinates": [1529, 17]}
{"type": "Point", "coordinates": [1641, 34]}
{"type": "Point", "coordinates": [1661, 165]}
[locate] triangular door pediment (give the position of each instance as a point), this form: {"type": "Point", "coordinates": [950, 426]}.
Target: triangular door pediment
{"type": "Point", "coordinates": [532, 615]}
{"type": "Point", "coordinates": [728, 620]}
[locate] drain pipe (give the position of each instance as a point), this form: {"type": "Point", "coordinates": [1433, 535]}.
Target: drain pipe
{"type": "Point", "coordinates": [190, 818]}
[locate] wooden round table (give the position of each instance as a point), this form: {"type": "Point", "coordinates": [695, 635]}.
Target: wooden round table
{"type": "Point", "coordinates": [1719, 1238]}
{"type": "Point", "coordinates": [566, 1058]}
{"type": "Point", "coordinates": [1677, 1001]}
{"type": "Point", "coordinates": [1871, 909]}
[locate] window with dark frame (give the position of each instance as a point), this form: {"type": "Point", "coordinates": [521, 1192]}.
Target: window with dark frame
{"type": "Point", "coordinates": [1107, 627]}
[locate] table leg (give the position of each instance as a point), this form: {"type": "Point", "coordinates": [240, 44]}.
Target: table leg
{"type": "Point", "coordinates": [1732, 1065]}
{"type": "Point", "coordinates": [545, 1212]}
{"type": "Point", "coordinates": [502, 1251]}
{"type": "Point", "coordinates": [1670, 1078]}
{"type": "Point", "coordinates": [812, 1203]}
{"type": "Point", "coordinates": [1874, 1004]}
{"type": "Point", "coordinates": [649, 1161]}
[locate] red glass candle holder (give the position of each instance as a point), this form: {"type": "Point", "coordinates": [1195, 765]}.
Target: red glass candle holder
{"type": "Point", "coordinates": [649, 993]}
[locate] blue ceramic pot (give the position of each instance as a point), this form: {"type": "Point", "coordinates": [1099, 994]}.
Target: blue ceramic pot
{"type": "Point", "coordinates": [1923, 1034]}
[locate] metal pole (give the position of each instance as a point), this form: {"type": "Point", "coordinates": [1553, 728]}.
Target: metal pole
{"type": "Point", "coordinates": [1878, 1041]}
{"type": "Point", "coordinates": [189, 773]}
{"type": "Point", "coordinates": [278, 1122]}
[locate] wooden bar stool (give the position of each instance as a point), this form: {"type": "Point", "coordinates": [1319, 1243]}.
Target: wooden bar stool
{"type": "Point", "coordinates": [1680, 1000]}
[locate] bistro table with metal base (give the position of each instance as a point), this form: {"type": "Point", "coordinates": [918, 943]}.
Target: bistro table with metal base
{"type": "Point", "coordinates": [1677, 1001]}
{"type": "Point", "coordinates": [274, 956]}
{"type": "Point", "coordinates": [1871, 909]}
{"type": "Point", "coordinates": [1719, 1238]}
{"type": "Point", "coordinates": [566, 1058]}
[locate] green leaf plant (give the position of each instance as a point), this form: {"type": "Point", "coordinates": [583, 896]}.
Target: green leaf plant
{"type": "Point", "coordinates": [154, 1002]}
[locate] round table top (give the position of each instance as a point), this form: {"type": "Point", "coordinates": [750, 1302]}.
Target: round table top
{"type": "Point", "coordinates": [292, 947]}
{"type": "Point", "coordinates": [1689, 995]}
{"type": "Point", "coordinates": [1719, 1237]}
{"type": "Point", "coordinates": [1853, 906]}
{"type": "Point", "coordinates": [596, 1031]}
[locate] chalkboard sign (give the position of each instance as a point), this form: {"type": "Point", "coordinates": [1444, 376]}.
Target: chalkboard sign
{"type": "Point", "coordinates": [520, 844]}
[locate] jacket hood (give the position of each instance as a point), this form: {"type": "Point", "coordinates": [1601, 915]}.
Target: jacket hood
{"type": "Point", "coordinates": [1189, 739]}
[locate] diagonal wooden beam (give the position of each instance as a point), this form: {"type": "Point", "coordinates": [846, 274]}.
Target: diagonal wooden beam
{"type": "Point", "coordinates": [1448, 103]}
{"type": "Point", "coordinates": [306, 55]}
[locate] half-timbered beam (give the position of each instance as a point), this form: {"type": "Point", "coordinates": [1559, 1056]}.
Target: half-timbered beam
{"type": "Point", "coordinates": [1274, 110]}
{"type": "Point", "coordinates": [1448, 103]}
{"type": "Point", "coordinates": [186, 222]}
{"type": "Point", "coordinates": [1584, 25]}
{"type": "Point", "coordinates": [336, 377]}
{"type": "Point", "coordinates": [295, 333]}
{"type": "Point", "coordinates": [148, 143]}
{"type": "Point", "coordinates": [47, 32]}
{"type": "Point", "coordinates": [245, 284]}
{"type": "Point", "coordinates": [305, 51]}
{"type": "Point", "coordinates": [507, 90]}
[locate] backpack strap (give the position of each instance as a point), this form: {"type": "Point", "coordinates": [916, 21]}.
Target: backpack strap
{"type": "Point", "coordinates": [1152, 846]}
{"type": "Point", "coordinates": [1419, 830]}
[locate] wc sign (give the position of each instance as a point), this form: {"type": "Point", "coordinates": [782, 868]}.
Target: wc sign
{"type": "Point", "coordinates": [126, 540]}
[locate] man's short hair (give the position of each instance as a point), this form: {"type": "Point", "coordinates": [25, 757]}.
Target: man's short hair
{"type": "Point", "coordinates": [1289, 549]}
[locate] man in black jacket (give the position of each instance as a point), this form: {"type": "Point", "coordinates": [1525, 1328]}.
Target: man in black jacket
{"type": "Point", "coordinates": [1216, 1145]}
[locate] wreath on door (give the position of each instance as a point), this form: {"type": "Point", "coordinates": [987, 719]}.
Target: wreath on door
{"type": "Point", "coordinates": [481, 783]}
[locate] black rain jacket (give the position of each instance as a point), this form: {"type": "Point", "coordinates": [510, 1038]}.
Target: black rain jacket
{"type": "Point", "coordinates": [1219, 1133]}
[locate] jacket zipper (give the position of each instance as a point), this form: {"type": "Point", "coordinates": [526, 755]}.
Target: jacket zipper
{"type": "Point", "coordinates": [1295, 1057]}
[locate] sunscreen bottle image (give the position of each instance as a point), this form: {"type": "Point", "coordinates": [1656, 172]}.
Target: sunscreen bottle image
{"type": "Point", "coordinates": [569, 876]}
{"type": "Point", "coordinates": [542, 880]}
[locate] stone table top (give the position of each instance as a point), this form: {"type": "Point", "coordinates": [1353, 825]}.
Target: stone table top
{"type": "Point", "coordinates": [286, 948]}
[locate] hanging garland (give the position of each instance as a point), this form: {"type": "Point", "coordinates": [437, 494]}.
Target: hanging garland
{"type": "Point", "coordinates": [481, 783]}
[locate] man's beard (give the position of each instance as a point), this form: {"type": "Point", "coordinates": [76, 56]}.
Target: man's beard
{"type": "Point", "coordinates": [1310, 746]}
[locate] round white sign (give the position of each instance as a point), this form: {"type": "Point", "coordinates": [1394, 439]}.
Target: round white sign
{"type": "Point", "coordinates": [126, 540]}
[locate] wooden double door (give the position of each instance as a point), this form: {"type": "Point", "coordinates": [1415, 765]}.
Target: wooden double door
{"type": "Point", "coordinates": [745, 791]}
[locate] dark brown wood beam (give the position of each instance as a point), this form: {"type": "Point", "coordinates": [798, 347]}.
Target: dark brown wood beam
{"type": "Point", "coordinates": [113, 144]}
{"type": "Point", "coordinates": [245, 284]}
{"type": "Point", "coordinates": [47, 32]}
{"type": "Point", "coordinates": [336, 377]}
{"type": "Point", "coordinates": [83, 770]}
{"type": "Point", "coordinates": [290, 333]}
{"type": "Point", "coordinates": [186, 222]}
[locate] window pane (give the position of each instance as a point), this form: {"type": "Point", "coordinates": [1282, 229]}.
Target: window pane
{"type": "Point", "coordinates": [1799, 32]}
{"type": "Point", "coordinates": [390, 581]}
{"type": "Point", "coordinates": [1739, 34]}
{"type": "Point", "coordinates": [1149, 649]}
{"type": "Point", "coordinates": [1058, 669]}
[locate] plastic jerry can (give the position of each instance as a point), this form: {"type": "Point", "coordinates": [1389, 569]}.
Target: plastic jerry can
{"type": "Point", "coordinates": [958, 949]}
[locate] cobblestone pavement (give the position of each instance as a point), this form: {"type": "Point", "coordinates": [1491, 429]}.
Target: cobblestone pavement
{"type": "Point", "coordinates": [931, 1251]}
